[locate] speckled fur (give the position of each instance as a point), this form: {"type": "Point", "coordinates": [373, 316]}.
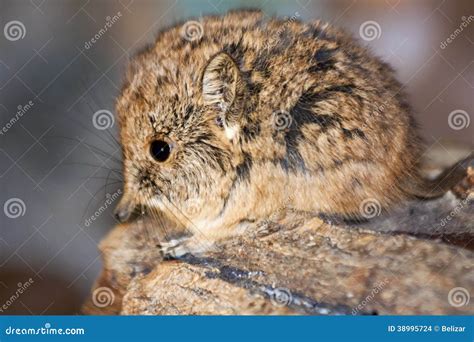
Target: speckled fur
{"type": "Point", "coordinates": [339, 150]}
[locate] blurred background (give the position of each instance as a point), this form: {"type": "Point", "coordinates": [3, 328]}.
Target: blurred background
{"type": "Point", "coordinates": [59, 67]}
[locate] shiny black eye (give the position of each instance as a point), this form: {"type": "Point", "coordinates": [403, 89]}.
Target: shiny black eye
{"type": "Point", "coordinates": [160, 150]}
{"type": "Point", "coordinates": [219, 122]}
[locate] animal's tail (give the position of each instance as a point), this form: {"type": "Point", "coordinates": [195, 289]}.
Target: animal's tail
{"type": "Point", "coordinates": [437, 187]}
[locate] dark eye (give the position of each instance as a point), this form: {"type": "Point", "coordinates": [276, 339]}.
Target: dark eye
{"type": "Point", "coordinates": [219, 122]}
{"type": "Point", "coordinates": [160, 150]}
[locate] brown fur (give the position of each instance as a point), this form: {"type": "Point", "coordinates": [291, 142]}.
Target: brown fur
{"type": "Point", "coordinates": [351, 136]}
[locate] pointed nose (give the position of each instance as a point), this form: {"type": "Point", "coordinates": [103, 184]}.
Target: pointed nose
{"type": "Point", "coordinates": [124, 209]}
{"type": "Point", "coordinates": [122, 215]}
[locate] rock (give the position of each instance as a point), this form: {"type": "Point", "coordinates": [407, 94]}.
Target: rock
{"type": "Point", "coordinates": [127, 252]}
{"type": "Point", "coordinates": [287, 268]}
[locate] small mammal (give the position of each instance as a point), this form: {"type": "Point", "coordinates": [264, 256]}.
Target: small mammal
{"type": "Point", "coordinates": [253, 115]}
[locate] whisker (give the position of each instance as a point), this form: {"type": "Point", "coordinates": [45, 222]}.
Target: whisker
{"type": "Point", "coordinates": [152, 232]}
{"type": "Point", "coordinates": [92, 147]}
{"type": "Point", "coordinates": [102, 178]}
{"type": "Point", "coordinates": [157, 217]}
{"type": "Point", "coordinates": [94, 197]}
{"type": "Point", "coordinates": [110, 144]}
{"type": "Point", "coordinates": [92, 109]}
{"type": "Point", "coordinates": [184, 215]}
{"type": "Point", "coordinates": [196, 229]}
{"type": "Point", "coordinates": [113, 138]}
{"type": "Point", "coordinates": [147, 238]}
{"type": "Point", "coordinates": [117, 171]}
{"type": "Point", "coordinates": [107, 181]}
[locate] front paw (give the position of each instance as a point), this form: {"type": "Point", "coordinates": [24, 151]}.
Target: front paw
{"type": "Point", "coordinates": [178, 248]}
{"type": "Point", "coordinates": [173, 249]}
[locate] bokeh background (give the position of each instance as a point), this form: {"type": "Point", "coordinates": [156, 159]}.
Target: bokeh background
{"type": "Point", "coordinates": [60, 169]}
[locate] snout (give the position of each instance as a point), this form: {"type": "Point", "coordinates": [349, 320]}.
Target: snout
{"type": "Point", "coordinates": [124, 209]}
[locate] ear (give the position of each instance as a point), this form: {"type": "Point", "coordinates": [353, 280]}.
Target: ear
{"type": "Point", "coordinates": [221, 82]}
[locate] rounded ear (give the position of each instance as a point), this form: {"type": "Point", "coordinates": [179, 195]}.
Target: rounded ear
{"type": "Point", "coordinates": [221, 81]}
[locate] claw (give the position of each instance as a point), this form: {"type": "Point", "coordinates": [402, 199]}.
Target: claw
{"type": "Point", "coordinates": [173, 249]}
